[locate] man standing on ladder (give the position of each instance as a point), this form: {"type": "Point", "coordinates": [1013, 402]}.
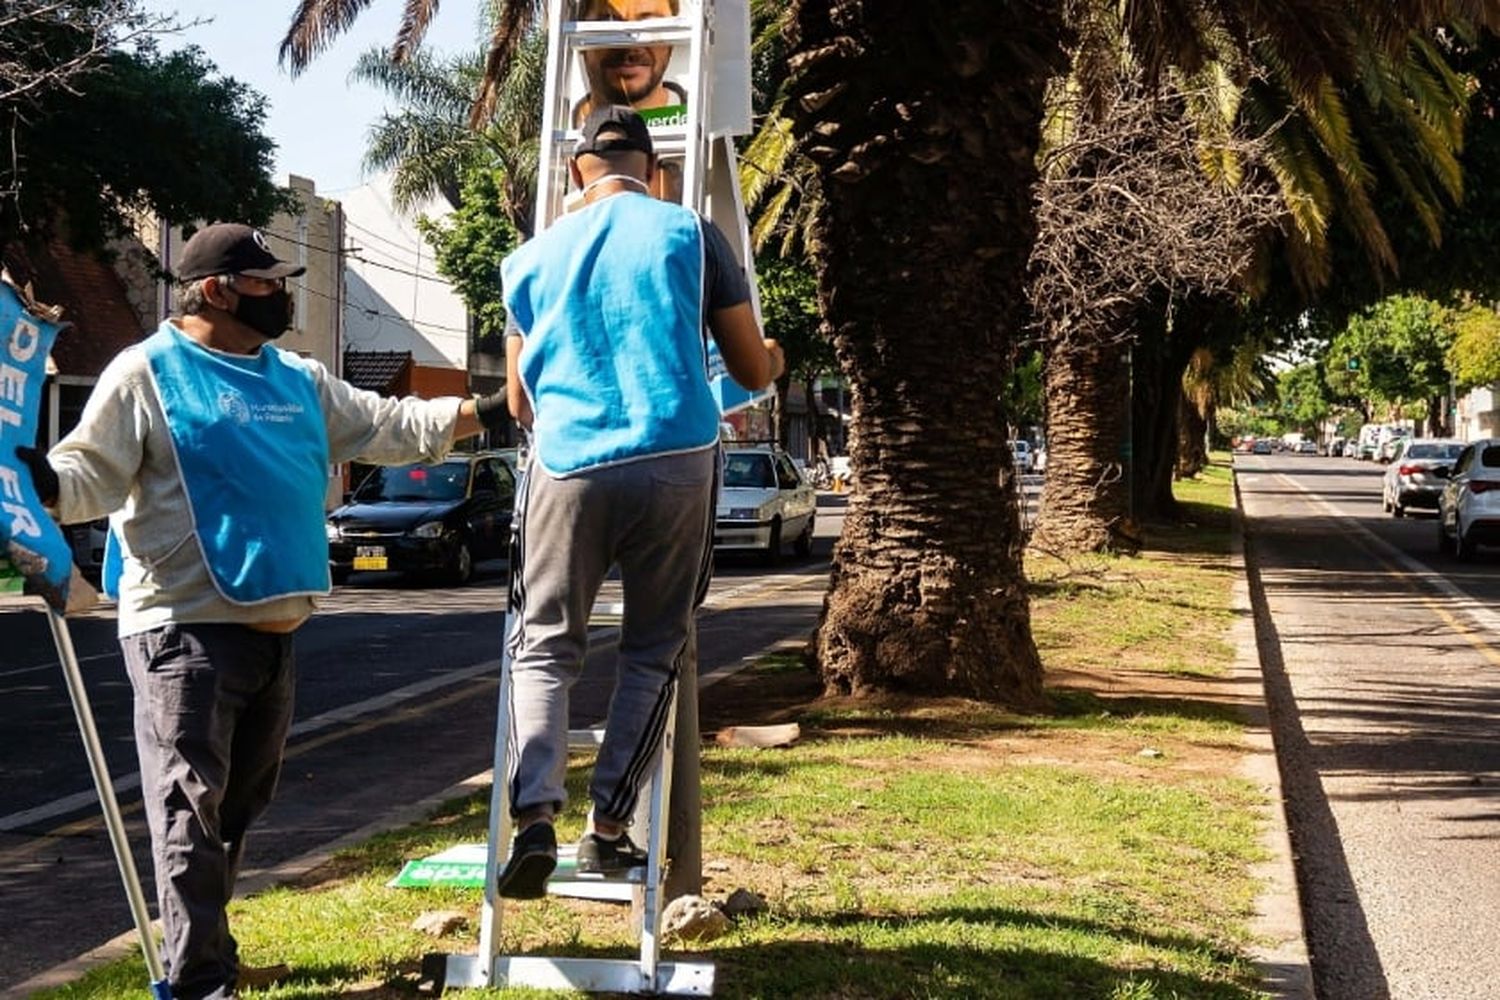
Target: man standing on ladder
{"type": "Point", "coordinates": [607, 365]}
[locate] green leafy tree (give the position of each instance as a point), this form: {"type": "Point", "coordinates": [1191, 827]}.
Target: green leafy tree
{"type": "Point", "coordinates": [1304, 397]}
{"type": "Point", "coordinates": [138, 131]}
{"type": "Point", "coordinates": [1474, 358]}
{"type": "Point", "coordinates": [1396, 353]}
{"type": "Point", "coordinates": [470, 243]}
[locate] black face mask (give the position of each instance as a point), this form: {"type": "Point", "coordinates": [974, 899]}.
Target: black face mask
{"type": "Point", "coordinates": [268, 315]}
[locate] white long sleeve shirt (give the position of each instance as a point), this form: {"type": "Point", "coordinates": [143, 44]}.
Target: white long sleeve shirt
{"type": "Point", "coordinates": [119, 461]}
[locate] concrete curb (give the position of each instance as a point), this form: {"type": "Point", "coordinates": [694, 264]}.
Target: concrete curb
{"type": "Point", "coordinates": [1280, 947]}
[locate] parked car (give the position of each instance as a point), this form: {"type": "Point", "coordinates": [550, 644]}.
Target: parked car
{"type": "Point", "coordinates": [1261, 447]}
{"type": "Point", "coordinates": [1307, 447]}
{"type": "Point", "coordinates": [86, 539]}
{"type": "Point", "coordinates": [429, 519]}
{"type": "Point", "coordinates": [1469, 506]}
{"type": "Point", "coordinates": [1389, 439]}
{"type": "Point", "coordinates": [1415, 476]}
{"type": "Point", "coordinates": [763, 502]}
{"type": "Point", "coordinates": [1020, 453]}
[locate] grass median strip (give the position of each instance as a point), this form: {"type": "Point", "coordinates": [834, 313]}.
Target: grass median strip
{"type": "Point", "coordinates": [941, 848]}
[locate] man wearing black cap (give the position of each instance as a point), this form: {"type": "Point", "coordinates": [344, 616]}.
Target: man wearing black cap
{"type": "Point", "coordinates": [209, 448]}
{"type": "Point", "coordinates": [608, 367]}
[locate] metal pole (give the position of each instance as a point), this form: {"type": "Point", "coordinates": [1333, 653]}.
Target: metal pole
{"type": "Point", "coordinates": [112, 819]}
{"type": "Point", "coordinates": [685, 812]}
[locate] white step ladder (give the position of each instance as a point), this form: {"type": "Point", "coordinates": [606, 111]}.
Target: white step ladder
{"type": "Point", "coordinates": [642, 887]}
{"type": "Point", "coordinates": [701, 140]}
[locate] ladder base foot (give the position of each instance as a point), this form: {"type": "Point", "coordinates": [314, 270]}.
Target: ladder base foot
{"type": "Point", "coordinates": [594, 975]}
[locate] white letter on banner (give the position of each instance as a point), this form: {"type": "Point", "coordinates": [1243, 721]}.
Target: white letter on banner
{"type": "Point", "coordinates": [13, 385]}
{"type": "Point", "coordinates": [10, 483]}
{"type": "Point", "coordinates": [24, 339]}
{"type": "Point", "coordinates": [23, 522]}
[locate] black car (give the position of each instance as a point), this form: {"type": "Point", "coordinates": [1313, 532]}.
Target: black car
{"type": "Point", "coordinates": [428, 519]}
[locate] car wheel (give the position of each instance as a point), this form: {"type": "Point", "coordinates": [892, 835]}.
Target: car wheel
{"type": "Point", "coordinates": [803, 545]}
{"type": "Point", "coordinates": [1465, 547]}
{"type": "Point", "coordinates": [772, 555]}
{"type": "Point", "coordinates": [461, 566]}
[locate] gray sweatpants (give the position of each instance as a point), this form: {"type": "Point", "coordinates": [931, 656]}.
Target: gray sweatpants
{"type": "Point", "coordinates": [654, 519]}
{"type": "Point", "coordinates": [213, 704]}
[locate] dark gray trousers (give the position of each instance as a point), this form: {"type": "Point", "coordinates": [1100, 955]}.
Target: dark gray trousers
{"type": "Point", "coordinates": [654, 519]}
{"type": "Point", "coordinates": [213, 704]}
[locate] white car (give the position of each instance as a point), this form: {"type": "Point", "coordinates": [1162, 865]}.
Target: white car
{"type": "Point", "coordinates": [1020, 453]}
{"type": "Point", "coordinates": [763, 503]}
{"type": "Point", "coordinates": [1469, 506]}
{"type": "Point", "coordinates": [1414, 477]}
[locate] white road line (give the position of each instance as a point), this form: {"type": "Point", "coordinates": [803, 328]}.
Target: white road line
{"type": "Point", "coordinates": [1464, 602]}
{"type": "Point", "coordinates": [55, 666]}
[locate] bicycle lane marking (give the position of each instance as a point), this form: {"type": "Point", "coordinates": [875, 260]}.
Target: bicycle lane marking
{"type": "Point", "coordinates": [1417, 576]}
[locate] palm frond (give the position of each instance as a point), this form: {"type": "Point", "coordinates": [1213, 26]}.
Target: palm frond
{"type": "Point", "coordinates": [513, 21]}
{"type": "Point", "coordinates": [420, 82]}
{"type": "Point", "coordinates": [415, 18]}
{"type": "Point", "coordinates": [315, 24]}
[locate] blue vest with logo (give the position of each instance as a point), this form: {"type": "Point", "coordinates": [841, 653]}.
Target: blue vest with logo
{"type": "Point", "coordinates": [615, 359]}
{"type": "Point", "coordinates": [252, 449]}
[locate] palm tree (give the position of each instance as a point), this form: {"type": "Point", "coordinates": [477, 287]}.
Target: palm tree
{"type": "Point", "coordinates": [1404, 105]}
{"type": "Point", "coordinates": [428, 143]}
{"type": "Point", "coordinates": [924, 125]}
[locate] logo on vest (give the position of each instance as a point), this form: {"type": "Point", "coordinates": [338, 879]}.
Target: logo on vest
{"type": "Point", "coordinates": [232, 405]}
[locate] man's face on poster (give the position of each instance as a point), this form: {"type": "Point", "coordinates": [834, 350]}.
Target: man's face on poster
{"type": "Point", "coordinates": [627, 76]}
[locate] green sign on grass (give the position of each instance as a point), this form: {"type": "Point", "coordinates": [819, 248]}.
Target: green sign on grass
{"type": "Point", "coordinates": [461, 866]}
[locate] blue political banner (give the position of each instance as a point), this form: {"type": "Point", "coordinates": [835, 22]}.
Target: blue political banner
{"type": "Point", "coordinates": [731, 395]}
{"type": "Point", "coordinates": [30, 540]}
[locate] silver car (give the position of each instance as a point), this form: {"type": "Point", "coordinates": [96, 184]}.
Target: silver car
{"type": "Point", "coordinates": [763, 502]}
{"type": "Point", "coordinates": [1411, 479]}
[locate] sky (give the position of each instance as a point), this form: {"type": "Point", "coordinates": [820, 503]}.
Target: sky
{"type": "Point", "coordinates": [320, 120]}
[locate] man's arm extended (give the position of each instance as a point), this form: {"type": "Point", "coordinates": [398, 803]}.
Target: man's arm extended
{"type": "Point", "coordinates": [754, 362]}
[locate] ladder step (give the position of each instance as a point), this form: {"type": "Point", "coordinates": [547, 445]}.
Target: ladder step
{"type": "Point", "coordinates": [600, 975]}
{"type": "Point", "coordinates": [582, 739]}
{"type": "Point", "coordinates": [565, 880]}
{"type": "Point", "coordinates": [627, 35]}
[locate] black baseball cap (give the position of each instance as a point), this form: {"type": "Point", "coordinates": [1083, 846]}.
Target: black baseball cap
{"type": "Point", "coordinates": [231, 248]}
{"type": "Point", "coordinates": [614, 128]}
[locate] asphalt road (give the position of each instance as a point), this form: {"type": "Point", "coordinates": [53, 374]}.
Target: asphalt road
{"type": "Point", "coordinates": [396, 702]}
{"type": "Point", "coordinates": [1382, 664]}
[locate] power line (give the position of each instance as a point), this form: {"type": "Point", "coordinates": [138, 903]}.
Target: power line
{"type": "Point", "coordinates": [398, 270]}
{"type": "Point", "coordinates": [373, 313]}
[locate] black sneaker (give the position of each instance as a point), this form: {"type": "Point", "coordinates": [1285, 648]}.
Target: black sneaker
{"type": "Point", "coordinates": [597, 856]}
{"type": "Point", "coordinates": [533, 856]}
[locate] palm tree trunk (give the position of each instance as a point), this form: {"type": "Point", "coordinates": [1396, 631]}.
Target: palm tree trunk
{"type": "Point", "coordinates": [1192, 444]}
{"type": "Point", "coordinates": [1085, 503]}
{"type": "Point", "coordinates": [925, 132]}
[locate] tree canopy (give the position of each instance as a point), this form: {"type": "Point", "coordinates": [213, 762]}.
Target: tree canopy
{"type": "Point", "coordinates": [137, 131]}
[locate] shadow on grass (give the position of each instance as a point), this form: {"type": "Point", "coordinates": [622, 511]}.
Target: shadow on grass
{"type": "Point", "coordinates": [865, 956]}
{"type": "Point", "coordinates": [1071, 708]}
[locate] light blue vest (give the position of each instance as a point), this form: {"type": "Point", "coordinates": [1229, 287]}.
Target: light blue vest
{"type": "Point", "coordinates": [615, 357]}
{"type": "Point", "coordinates": [252, 449]}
